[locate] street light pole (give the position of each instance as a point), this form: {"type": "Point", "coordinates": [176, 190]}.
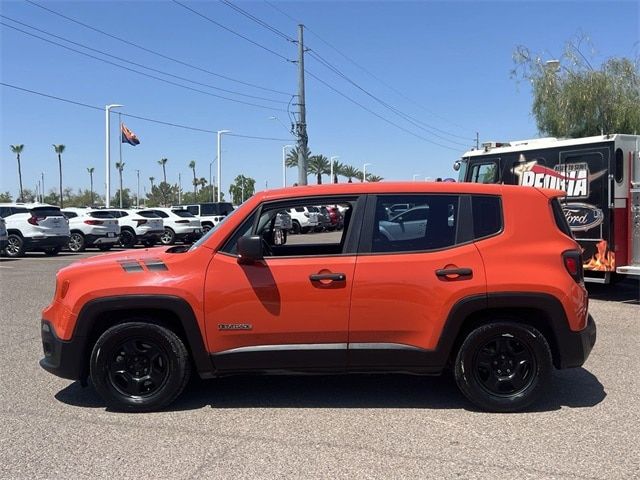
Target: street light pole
{"type": "Point", "coordinates": [138, 188]}
{"type": "Point", "coordinates": [284, 164]}
{"type": "Point", "coordinates": [331, 170]}
{"type": "Point", "coordinates": [179, 188]}
{"type": "Point", "coordinates": [364, 172]}
{"type": "Point", "coordinates": [107, 153]}
{"type": "Point", "coordinates": [220, 133]}
{"type": "Point", "coordinates": [211, 178]}
{"type": "Point", "coordinates": [42, 178]}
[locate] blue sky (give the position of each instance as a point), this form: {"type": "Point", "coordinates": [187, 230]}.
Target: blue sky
{"type": "Point", "coordinates": [450, 60]}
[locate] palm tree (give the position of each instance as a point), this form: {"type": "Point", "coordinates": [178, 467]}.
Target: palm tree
{"type": "Point", "coordinates": [163, 163]}
{"type": "Point", "coordinates": [59, 149]}
{"type": "Point", "coordinates": [151, 179]}
{"type": "Point", "coordinates": [337, 170]}
{"type": "Point", "coordinates": [192, 166]}
{"type": "Point", "coordinates": [350, 172]}
{"type": "Point", "coordinates": [291, 160]}
{"type": "Point", "coordinates": [91, 170]}
{"type": "Point", "coordinates": [374, 178]}
{"type": "Point", "coordinates": [17, 149]}
{"type": "Point", "coordinates": [318, 165]}
{"type": "Point", "coordinates": [202, 182]}
{"type": "Point", "coordinates": [120, 167]}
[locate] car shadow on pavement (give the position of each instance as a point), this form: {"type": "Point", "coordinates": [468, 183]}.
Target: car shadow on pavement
{"type": "Point", "coordinates": [575, 388]}
{"type": "Point", "coordinates": [626, 291]}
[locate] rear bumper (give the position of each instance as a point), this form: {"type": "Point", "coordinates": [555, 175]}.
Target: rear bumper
{"type": "Point", "coordinates": [100, 239]}
{"type": "Point", "coordinates": [575, 347]}
{"type": "Point", "coordinates": [62, 358]}
{"type": "Point", "coordinates": [34, 243]}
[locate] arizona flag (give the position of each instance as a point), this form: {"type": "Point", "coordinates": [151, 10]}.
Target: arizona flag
{"type": "Point", "coordinates": [128, 136]}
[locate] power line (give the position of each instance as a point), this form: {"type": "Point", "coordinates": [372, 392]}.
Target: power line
{"type": "Point", "coordinates": [390, 122]}
{"type": "Point", "coordinates": [258, 21]}
{"type": "Point", "coordinates": [148, 50]}
{"type": "Point", "coordinates": [244, 37]}
{"type": "Point", "coordinates": [372, 75]}
{"type": "Point", "coordinates": [143, 73]}
{"type": "Point", "coordinates": [404, 116]}
{"type": "Point", "coordinates": [130, 115]}
{"type": "Point", "coordinates": [101, 52]}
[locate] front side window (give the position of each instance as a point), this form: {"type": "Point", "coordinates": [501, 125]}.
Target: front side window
{"type": "Point", "coordinates": [428, 223]}
{"type": "Point", "coordinates": [484, 173]}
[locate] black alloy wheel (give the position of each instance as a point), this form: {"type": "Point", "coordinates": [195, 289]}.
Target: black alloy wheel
{"type": "Point", "coordinates": [15, 246]}
{"type": "Point", "coordinates": [127, 238]}
{"type": "Point", "coordinates": [503, 366]}
{"type": "Point", "coordinates": [139, 366]}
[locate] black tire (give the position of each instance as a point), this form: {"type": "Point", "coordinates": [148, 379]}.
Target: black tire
{"type": "Point", "coordinates": [105, 247]}
{"type": "Point", "coordinates": [305, 229]}
{"type": "Point", "coordinates": [15, 246]}
{"type": "Point", "coordinates": [168, 237]}
{"type": "Point", "coordinates": [139, 366]}
{"type": "Point", "coordinates": [503, 366]}
{"type": "Point", "coordinates": [77, 242]}
{"type": "Point", "coordinates": [50, 252]}
{"type": "Point", "coordinates": [295, 227]}
{"type": "Point", "coordinates": [206, 227]}
{"type": "Point", "coordinates": [149, 243]}
{"type": "Point", "coordinates": [127, 238]}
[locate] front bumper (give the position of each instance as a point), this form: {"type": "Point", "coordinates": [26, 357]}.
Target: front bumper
{"type": "Point", "coordinates": [575, 347]}
{"type": "Point", "coordinates": [65, 359]}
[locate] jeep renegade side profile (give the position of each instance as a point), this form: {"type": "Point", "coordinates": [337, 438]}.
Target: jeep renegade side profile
{"type": "Point", "coordinates": [483, 279]}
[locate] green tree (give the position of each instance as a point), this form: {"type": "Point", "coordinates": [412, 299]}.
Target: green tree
{"type": "Point", "coordinates": [6, 197]}
{"type": "Point", "coordinates": [163, 163]}
{"type": "Point", "coordinates": [338, 168]}
{"type": "Point", "coordinates": [123, 196]}
{"type": "Point", "coordinates": [59, 149]}
{"type": "Point", "coordinates": [28, 195]}
{"type": "Point", "coordinates": [318, 165]}
{"type": "Point", "coordinates": [374, 178]}
{"type": "Point", "coordinates": [90, 170]}
{"type": "Point", "coordinates": [120, 167]}
{"type": "Point", "coordinates": [17, 149]}
{"type": "Point", "coordinates": [350, 173]}
{"type": "Point", "coordinates": [151, 180]}
{"type": "Point", "coordinates": [571, 98]}
{"type": "Point", "coordinates": [291, 160]}
{"type": "Point", "coordinates": [241, 189]}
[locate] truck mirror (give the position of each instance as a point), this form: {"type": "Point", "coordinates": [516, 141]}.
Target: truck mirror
{"type": "Point", "coordinates": [249, 249]}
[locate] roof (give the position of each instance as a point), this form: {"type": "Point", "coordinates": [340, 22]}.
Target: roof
{"type": "Point", "coordinates": [538, 143]}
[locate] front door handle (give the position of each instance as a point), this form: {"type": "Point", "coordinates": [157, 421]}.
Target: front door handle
{"type": "Point", "coordinates": [454, 272]}
{"type": "Point", "coordinates": [333, 277]}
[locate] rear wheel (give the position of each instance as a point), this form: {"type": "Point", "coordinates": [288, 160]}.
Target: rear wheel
{"type": "Point", "coordinates": [295, 227]}
{"type": "Point", "coordinates": [149, 243]}
{"type": "Point", "coordinates": [76, 242]}
{"type": "Point", "coordinates": [168, 237]}
{"type": "Point", "coordinates": [52, 251]}
{"type": "Point", "coordinates": [139, 366]}
{"type": "Point", "coordinates": [503, 366]}
{"type": "Point", "coordinates": [127, 238]}
{"type": "Point", "coordinates": [15, 246]}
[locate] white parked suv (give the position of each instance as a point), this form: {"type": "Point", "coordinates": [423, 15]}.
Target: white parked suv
{"type": "Point", "coordinates": [303, 220]}
{"type": "Point", "coordinates": [179, 224]}
{"type": "Point", "coordinates": [34, 227]}
{"type": "Point", "coordinates": [138, 227]}
{"type": "Point", "coordinates": [91, 228]}
{"type": "Point", "coordinates": [3, 234]}
{"type": "Point", "coordinates": [209, 213]}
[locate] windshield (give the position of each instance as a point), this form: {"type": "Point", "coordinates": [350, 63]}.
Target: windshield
{"type": "Point", "coordinates": [208, 234]}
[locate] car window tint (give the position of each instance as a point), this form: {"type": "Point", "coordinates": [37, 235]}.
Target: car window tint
{"type": "Point", "coordinates": [70, 214]}
{"type": "Point", "coordinates": [183, 213]}
{"type": "Point", "coordinates": [487, 215]}
{"type": "Point", "coordinates": [428, 224]}
{"type": "Point", "coordinates": [193, 209]}
{"type": "Point", "coordinates": [101, 214]}
{"type": "Point", "coordinates": [46, 212]}
{"type": "Point", "coordinates": [153, 214]}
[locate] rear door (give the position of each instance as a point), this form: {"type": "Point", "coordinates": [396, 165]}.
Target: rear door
{"type": "Point", "coordinates": [50, 221]}
{"type": "Point", "coordinates": [405, 287]}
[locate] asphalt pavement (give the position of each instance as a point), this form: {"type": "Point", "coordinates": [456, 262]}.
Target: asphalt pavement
{"type": "Point", "coordinates": [357, 426]}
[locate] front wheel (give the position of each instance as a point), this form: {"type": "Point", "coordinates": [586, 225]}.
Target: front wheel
{"type": "Point", "coordinates": [15, 246]}
{"type": "Point", "coordinates": [139, 367]}
{"type": "Point", "coordinates": [503, 366]}
{"type": "Point", "coordinates": [50, 252]}
{"type": "Point", "coordinates": [76, 242]}
{"type": "Point", "coordinates": [168, 237]}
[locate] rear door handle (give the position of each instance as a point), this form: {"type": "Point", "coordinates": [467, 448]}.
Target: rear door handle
{"type": "Point", "coordinates": [334, 277]}
{"type": "Point", "coordinates": [457, 272]}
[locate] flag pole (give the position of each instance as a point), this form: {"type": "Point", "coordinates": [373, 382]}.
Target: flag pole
{"type": "Point", "coordinates": [120, 143]}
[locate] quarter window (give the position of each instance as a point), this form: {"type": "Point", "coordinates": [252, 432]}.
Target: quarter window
{"type": "Point", "coordinates": [487, 215]}
{"type": "Point", "coordinates": [428, 223]}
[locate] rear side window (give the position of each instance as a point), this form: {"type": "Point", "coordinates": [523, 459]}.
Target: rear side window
{"type": "Point", "coordinates": [561, 220]}
{"type": "Point", "coordinates": [152, 214]}
{"type": "Point", "coordinates": [70, 214]}
{"type": "Point", "coordinates": [193, 209]}
{"type": "Point", "coordinates": [487, 215]}
{"type": "Point", "coordinates": [183, 213]}
{"type": "Point", "coordinates": [46, 212]}
{"type": "Point", "coordinates": [101, 214]}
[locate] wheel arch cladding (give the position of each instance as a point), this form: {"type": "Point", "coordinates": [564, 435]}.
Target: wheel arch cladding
{"type": "Point", "coordinates": [170, 311]}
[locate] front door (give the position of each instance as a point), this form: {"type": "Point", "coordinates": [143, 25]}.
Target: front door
{"type": "Point", "coordinates": [288, 311]}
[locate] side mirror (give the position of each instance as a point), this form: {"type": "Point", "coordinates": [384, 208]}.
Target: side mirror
{"type": "Point", "coordinates": [249, 250]}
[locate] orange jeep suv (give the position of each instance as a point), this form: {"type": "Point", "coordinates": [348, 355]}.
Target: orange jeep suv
{"type": "Point", "coordinates": [485, 280]}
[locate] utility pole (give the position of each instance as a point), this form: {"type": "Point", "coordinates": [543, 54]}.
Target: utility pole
{"type": "Point", "coordinates": [138, 188]}
{"type": "Point", "coordinates": [42, 178]}
{"type": "Point", "coordinates": [477, 141]}
{"type": "Point", "coordinates": [301, 126]}
{"type": "Point", "coordinates": [179, 189]}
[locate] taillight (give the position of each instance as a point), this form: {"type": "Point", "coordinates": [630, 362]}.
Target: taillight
{"type": "Point", "coordinates": [93, 222]}
{"type": "Point", "coordinates": [306, 214]}
{"type": "Point", "coordinates": [182, 221]}
{"type": "Point", "coordinates": [33, 220]}
{"type": "Point", "coordinates": [141, 222]}
{"type": "Point", "coordinates": [573, 263]}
